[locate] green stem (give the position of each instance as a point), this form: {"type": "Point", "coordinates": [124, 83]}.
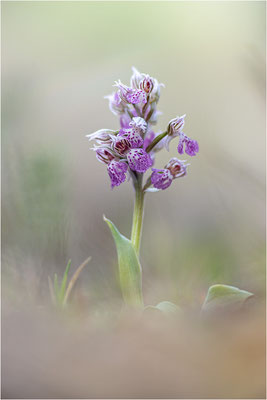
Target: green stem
{"type": "Point", "coordinates": [138, 214]}
{"type": "Point", "coordinates": [155, 141]}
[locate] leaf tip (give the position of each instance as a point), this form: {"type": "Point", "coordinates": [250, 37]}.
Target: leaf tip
{"type": "Point", "coordinates": [224, 296]}
{"type": "Point", "coordinates": [107, 220]}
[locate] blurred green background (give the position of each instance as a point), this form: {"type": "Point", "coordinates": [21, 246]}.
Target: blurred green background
{"type": "Point", "coordinates": [58, 61]}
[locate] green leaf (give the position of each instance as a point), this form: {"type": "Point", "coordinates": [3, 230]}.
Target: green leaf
{"type": "Point", "coordinates": [165, 307]}
{"type": "Point", "coordinates": [64, 282]}
{"type": "Point", "coordinates": [224, 297]}
{"type": "Point", "coordinates": [129, 268]}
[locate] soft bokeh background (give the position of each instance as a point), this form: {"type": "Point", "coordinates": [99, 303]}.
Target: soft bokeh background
{"type": "Point", "coordinates": [59, 60]}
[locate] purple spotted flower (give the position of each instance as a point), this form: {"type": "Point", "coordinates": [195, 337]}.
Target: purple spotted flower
{"type": "Point", "coordinates": [135, 139]}
{"type": "Point", "coordinates": [176, 125]}
{"type": "Point", "coordinates": [174, 129]}
{"type": "Point", "coordinates": [103, 136]}
{"type": "Point", "coordinates": [137, 78]}
{"type": "Point", "coordinates": [161, 178]}
{"type": "Point", "coordinates": [191, 146]}
{"type": "Point", "coordinates": [139, 160]}
{"type": "Point", "coordinates": [177, 168]}
{"type": "Point", "coordinates": [146, 83]}
{"type": "Point", "coordinates": [139, 124]}
{"type": "Point", "coordinates": [120, 145]}
{"type": "Point", "coordinates": [134, 133]}
{"type": "Point", "coordinates": [117, 172]}
{"type": "Point", "coordinates": [130, 95]}
{"type": "Point", "coordinates": [132, 136]}
{"type": "Point", "coordinates": [104, 154]}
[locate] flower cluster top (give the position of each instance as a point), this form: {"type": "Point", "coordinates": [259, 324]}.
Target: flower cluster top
{"type": "Point", "coordinates": [131, 149]}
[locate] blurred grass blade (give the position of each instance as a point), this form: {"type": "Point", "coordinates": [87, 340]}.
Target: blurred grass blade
{"type": "Point", "coordinates": [129, 268]}
{"type": "Point", "coordinates": [224, 297]}
{"type": "Point", "coordinates": [51, 290]}
{"type": "Point", "coordinates": [64, 282]}
{"type": "Point", "coordinates": [56, 287]}
{"type": "Point", "coordinates": [74, 279]}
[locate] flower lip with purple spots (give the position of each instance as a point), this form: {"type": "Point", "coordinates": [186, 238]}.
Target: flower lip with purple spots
{"type": "Point", "coordinates": [191, 146]}
{"type": "Point", "coordinates": [135, 139]}
{"type": "Point", "coordinates": [161, 178]}
{"type": "Point", "coordinates": [136, 96]}
{"type": "Point", "coordinates": [117, 172]}
{"type": "Point", "coordinates": [130, 95]}
{"type": "Point", "coordinates": [132, 136]}
{"type": "Point", "coordinates": [139, 160]}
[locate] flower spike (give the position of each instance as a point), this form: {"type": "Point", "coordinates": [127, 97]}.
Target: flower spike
{"type": "Point", "coordinates": [134, 145]}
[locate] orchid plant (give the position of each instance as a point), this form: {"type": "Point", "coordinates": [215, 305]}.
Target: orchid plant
{"type": "Point", "coordinates": [129, 152]}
